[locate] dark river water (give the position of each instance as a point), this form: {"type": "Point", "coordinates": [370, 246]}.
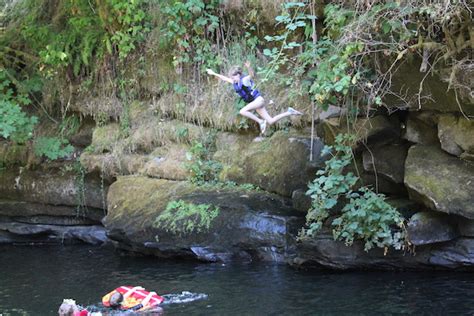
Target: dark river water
{"type": "Point", "coordinates": [34, 281]}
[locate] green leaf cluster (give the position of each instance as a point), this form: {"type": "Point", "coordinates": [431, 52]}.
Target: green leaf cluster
{"type": "Point", "coordinates": [15, 124]}
{"type": "Point", "coordinates": [365, 215]}
{"type": "Point", "coordinates": [52, 147]}
{"type": "Point", "coordinates": [183, 218]}
{"type": "Point", "coordinates": [191, 24]}
{"type": "Point", "coordinates": [360, 46]}
{"type": "Point", "coordinates": [201, 167]}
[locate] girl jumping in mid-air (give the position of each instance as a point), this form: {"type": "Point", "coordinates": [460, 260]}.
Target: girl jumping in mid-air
{"type": "Point", "coordinates": [245, 88]}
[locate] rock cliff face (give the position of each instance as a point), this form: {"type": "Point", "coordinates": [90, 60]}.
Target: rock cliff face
{"type": "Point", "coordinates": [49, 206]}
{"type": "Point", "coordinates": [421, 158]}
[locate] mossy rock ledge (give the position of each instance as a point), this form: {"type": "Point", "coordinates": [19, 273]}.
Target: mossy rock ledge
{"type": "Point", "coordinates": [441, 182]}
{"type": "Point", "coordinates": [54, 187]}
{"type": "Point", "coordinates": [248, 226]}
{"type": "Point", "coordinates": [278, 164]}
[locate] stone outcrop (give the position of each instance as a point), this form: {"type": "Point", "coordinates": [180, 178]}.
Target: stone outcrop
{"type": "Point", "coordinates": [324, 252]}
{"type": "Point", "coordinates": [278, 164]}
{"type": "Point", "coordinates": [50, 206]}
{"type": "Point", "coordinates": [387, 160]}
{"type": "Point", "coordinates": [431, 227]}
{"type": "Point", "coordinates": [47, 234]}
{"type": "Point", "coordinates": [249, 225]}
{"type": "Point", "coordinates": [421, 130]}
{"type": "Point", "coordinates": [379, 129]}
{"type": "Point", "coordinates": [440, 181]}
{"type": "Point", "coordinates": [48, 187]}
{"type": "Point", "coordinates": [168, 162]}
{"type": "Point", "coordinates": [456, 134]}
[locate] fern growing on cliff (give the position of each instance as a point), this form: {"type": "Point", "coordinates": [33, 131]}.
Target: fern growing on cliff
{"type": "Point", "coordinates": [183, 218]}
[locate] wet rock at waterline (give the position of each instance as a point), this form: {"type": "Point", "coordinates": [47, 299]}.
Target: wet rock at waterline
{"type": "Point", "coordinates": [440, 181]}
{"type": "Point", "coordinates": [12, 232]}
{"type": "Point", "coordinates": [324, 252]}
{"type": "Point", "coordinates": [431, 227]}
{"type": "Point", "coordinates": [248, 225]}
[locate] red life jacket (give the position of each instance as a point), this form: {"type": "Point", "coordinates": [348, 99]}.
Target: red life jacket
{"type": "Point", "coordinates": [136, 298]}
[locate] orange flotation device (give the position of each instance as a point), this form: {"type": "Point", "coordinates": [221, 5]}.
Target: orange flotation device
{"type": "Point", "coordinates": [136, 298]}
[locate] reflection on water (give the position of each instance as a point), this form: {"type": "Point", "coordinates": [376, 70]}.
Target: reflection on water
{"type": "Point", "coordinates": [34, 281]}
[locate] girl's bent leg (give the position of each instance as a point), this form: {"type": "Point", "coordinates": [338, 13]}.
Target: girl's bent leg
{"type": "Point", "coordinates": [254, 105]}
{"type": "Point", "coordinates": [271, 120]}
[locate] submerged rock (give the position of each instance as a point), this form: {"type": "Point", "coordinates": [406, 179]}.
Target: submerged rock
{"type": "Point", "coordinates": [248, 226]}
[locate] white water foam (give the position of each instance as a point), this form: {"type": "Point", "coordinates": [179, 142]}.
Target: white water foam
{"type": "Point", "coordinates": [184, 297]}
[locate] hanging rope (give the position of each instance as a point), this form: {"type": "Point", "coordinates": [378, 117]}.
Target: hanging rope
{"type": "Point", "coordinates": [315, 39]}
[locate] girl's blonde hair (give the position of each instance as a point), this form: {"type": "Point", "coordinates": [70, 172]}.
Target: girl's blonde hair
{"type": "Point", "coordinates": [235, 70]}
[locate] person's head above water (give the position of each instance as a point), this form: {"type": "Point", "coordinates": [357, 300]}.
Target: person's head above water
{"type": "Point", "coordinates": [235, 73]}
{"type": "Point", "coordinates": [115, 299]}
{"type": "Point", "coordinates": [68, 308]}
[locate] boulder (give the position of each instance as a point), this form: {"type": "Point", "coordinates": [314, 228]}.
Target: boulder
{"type": "Point", "coordinates": [331, 112]}
{"type": "Point", "coordinates": [168, 162]}
{"type": "Point", "coordinates": [53, 187]}
{"type": "Point", "coordinates": [247, 225]}
{"type": "Point", "coordinates": [324, 252]}
{"type": "Point", "coordinates": [388, 160]}
{"type": "Point", "coordinates": [420, 131]}
{"type": "Point", "coordinates": [440, 181]}
{"type": "Point", "coordinates": [379, 129]}
{"type": "Point", "coordinates": [278, 164]}
{"type": "Point", "coordinates": [379, 182]}
{"type": "Point", "coordinates": [456, 134]}
{"type": "Point", "coordinates": [431, 227]}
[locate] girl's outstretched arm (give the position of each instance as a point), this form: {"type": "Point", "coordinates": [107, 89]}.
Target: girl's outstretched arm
{"type": "Point", "coordinates": [250, 70]}
{"type": "Point", "coordinates": [222, 77]}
